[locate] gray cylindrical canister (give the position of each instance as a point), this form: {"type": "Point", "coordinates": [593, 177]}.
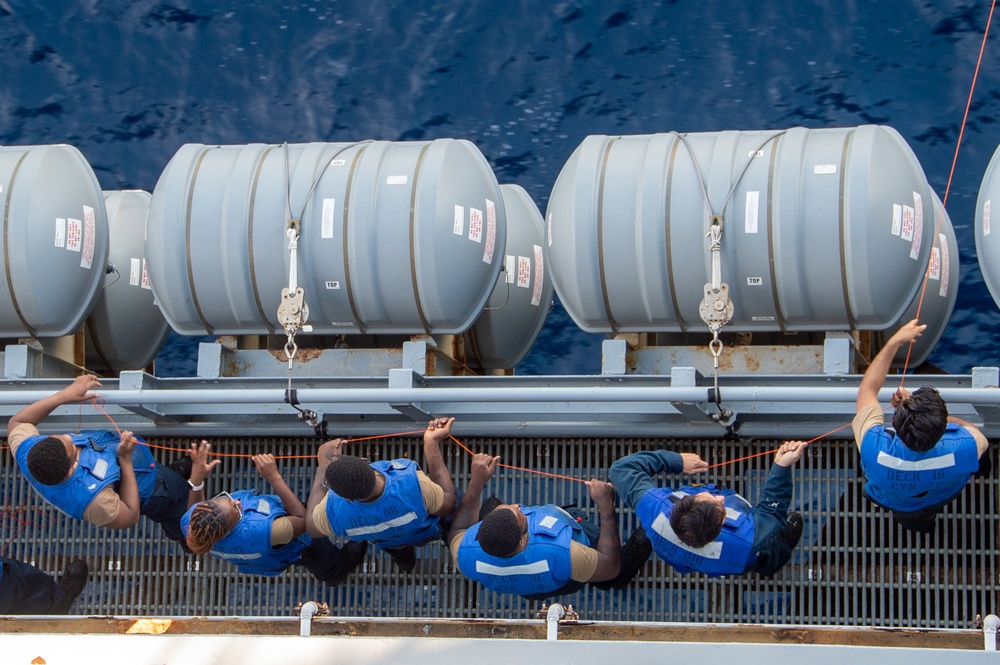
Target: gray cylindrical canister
{"type": "Point", "coordinates": [939, 295]}
{"type": "Point", "coordinates": [823, 229]}
{"type": "Point", "coordinates": [516, 311]}
{"type": "Point", "coordinates": [988, 242]}
{"type": "Point", "coordinates": [403, 237]}
{"type": "Point", "coordinates": [125, 330]}
{"type": "Point", "coordinates": [55, 240]}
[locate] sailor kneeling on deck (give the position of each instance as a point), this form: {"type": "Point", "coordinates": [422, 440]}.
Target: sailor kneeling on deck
{"type": "Point", "coordinates": [541, 551]}
{"type": "Point", "coordinates": [100, 476]}
{"type": "Point", "coordinates": [710, 530]}
{"type": "Point", "coordinates": [264, 534]}
{"type": "Point", "coordinates": [924, 462]}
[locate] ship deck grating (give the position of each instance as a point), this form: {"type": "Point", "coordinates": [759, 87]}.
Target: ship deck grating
{"type": "Point", "coordinates": [853, 567]}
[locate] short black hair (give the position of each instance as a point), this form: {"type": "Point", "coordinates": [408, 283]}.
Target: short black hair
{"type": "Point", "coordinates": [696, 523]}
{"type": "Point", "coordinates": [921, 419]}
{"type": "Point", "coordinates": [350, 477]}
{"type": "Point", "coordinates": [48, 462]}
{"type": "Point", "coordinates": [499, 533]}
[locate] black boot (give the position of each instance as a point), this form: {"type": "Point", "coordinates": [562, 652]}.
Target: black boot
{"type": "Point", "coordinates": [405, 558]}
{"type": "Point", "coordinates": [71, 583]}
{"type": "Point", "coordinates": [635, 553]}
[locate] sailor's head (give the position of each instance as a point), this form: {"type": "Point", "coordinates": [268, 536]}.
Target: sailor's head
{"type": "Point", "coordinates": [504, 532]}
{"type": "Point", "coordinates": [53, 459]}
{"type": "Point", "coordinates": [352, 478]}
{"type": "Point", "coordinates": [697, 519]}
{"type": "Point", "coordinates": [211, 521]}
{"type": "Point", "coordinates": [921, 419]}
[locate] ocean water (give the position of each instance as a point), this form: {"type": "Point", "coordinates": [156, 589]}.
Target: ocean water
{"type": "Point", "coordinates": [128, 83]}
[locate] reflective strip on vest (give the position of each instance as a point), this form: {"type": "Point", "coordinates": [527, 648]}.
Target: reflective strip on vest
{"type": "Point", "coordinates": [384, 526]}
{"type": "Point", "coordinates": [929, 464]}
{"type": "Point", "coordinates": [533, 568]}
{"type": "Point", "coordinates": [661, 525]}
{"type": "Point", "coordinates": [236, 557]}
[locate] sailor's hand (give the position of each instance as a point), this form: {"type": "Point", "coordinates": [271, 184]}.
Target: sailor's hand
{"type": "Point", "coordinates": [693, 464]}
{"type": "Point", "coordinates": [483, 467]}
{"type": "Point", "coordinates": [438, 430]}
{"type": "Point", "coordinates": [790, 452]}
{"type": "Point", "coordinates": [200, 466]}
{"type": "Point", "coordinates": [80, 389]}
{"type": "Point", "coordinates": [901, 395]}
{"type": "Point", "coordinates": [329, 450]}
{"type": "Point", "coordinates": [603, 493]}
{"type": "Point", "coordinates": [126, 446]}
{"type": "Point", "coordinates": [266, 467]}
{"type": "Point", "coordinates": [907, 334]}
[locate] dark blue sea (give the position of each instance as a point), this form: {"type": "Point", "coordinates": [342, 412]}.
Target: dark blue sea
{"type": "Point", "coordinates": [129, 82]}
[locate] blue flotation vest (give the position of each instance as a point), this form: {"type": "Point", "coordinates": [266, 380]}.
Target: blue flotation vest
{"type": "Point", "coordinates": [248, 545]}
{"type": "Point", "coordinates": [543, 567]}
{"type": "Point", "coordinates": [97, 468]}
{"type": "Point", "coordinates": [731, 553]}
{"type": "Point", "coordinates": [398, 517]}
{"type": "Point", "coordinates": [902, 479]}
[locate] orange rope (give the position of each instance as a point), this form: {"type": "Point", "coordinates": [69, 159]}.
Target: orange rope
{"type": "Point", "coordinates": [768, 452]}
{"type": "Point", "coordinates": [947, 189]}
{"type": "Point", "coordinates": [519, 468]}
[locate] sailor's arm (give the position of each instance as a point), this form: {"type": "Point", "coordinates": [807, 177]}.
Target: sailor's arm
{"type": "Point", "coordinates": [35, 413]}
{"type": "Point", "coordinates": [324, 455]}
{"type": "Point", "coordinates": [609, 543]}
{"type": "Point", "coordinates": [632, 475]}
{"type": "Point", "coordinates": [437, 431]}
{"type": "Point", "coordinates": [295, 512]}
{"type": "Point", "coordinates": [982, 444]}
{"type": "Point", "coordinates": [128, 489]}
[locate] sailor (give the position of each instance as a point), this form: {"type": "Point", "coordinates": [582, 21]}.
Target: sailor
{"type": "Point", "coordinates": [924, 461]}
{"type": "Point", "coordinates": [263, 534]}
{"type": "Point", "coordinates": [25, 589]}
{"type": "Point", "coordinates": [391, 503]}
{"type": "Point", "coordinates": [539, 552]}
{"type": "Point", "coordinates": [100, 476]}
{"type": "Point", "coordinates": [708, 529]}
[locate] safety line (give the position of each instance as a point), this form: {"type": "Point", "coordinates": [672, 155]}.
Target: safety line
{"type": "Point", "coordinates": [951, 175]}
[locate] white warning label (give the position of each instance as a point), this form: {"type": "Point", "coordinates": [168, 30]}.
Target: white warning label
{"type": "Point", "coordinates": [945, 266]}
{"type": "Point", "coordinates": [523, 271]}
{"type": "Point", "coordinates": [60, 239]}
{"type": "Point", "coordinates": [918, 232]}
{"type": "Point", "coordinates": [549, 229]}
{"type": "Point", "coordinates": [89, 237]}
{"type": "Point", "coordinates": [74, 234]}
{"type": "Point", "coordinates": [475, 225]}
{"type": "Point", "coordinates": [396, 180]}
{"type": "Point", "coordinates": [934, 267]}
{"type": "Point", "coordinates": [135, 272]}
{"type": "Point", "coordinates": [907, 231]}
{"type": "Point", "coordinates": [750, 216]}
{"type": "Point", "coordinates": [536, 290]}
{"type": "Point", "coordinates": [326, 228]}
{"type": "Point", "coordinates": [491, 232]}
{"type": "Point", "coordinates": [145, 276]}
{"type": "Point", "coordinates": [458, 226]}
{"type": "Point", "coordinates": [986, 218]}
{"type": "Point", "coordinates": [897, 219]}
{"type": "Point", "coordinates": [508, 269]}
